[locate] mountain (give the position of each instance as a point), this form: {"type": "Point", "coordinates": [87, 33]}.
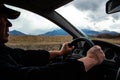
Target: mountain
{"type": "Point", "coordinates": [108, 32]}
{"type": "Point", "coordinates": [56, 33]}
{"type": "Point", "coordinates": [16, 33]}
{"type": "Point", "coordinates": [96, 33]}
{"type": "Point", "coordinates": [90, 32]}
{"type": "Point", "coordinates": [86, 31]}
{"type": "Point", "coordinates": [59, 32]}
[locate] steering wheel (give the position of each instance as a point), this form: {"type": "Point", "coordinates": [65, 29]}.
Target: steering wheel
{"type": "Point", "coordinates": [118, 74]}
{"type": "Point", "coordinates": [79, 49]}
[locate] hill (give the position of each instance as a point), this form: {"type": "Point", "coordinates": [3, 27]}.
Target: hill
{"type": "Point", "coordinates": [86, 31]}
{"type": "Point", "coordinates": [60, 32]}
{"type": "Point", "coordinates": [16, 33]}
{"type": "Point", "coordinates": [56, 33]}
{"type": "Point", "coordinates": [108, 36]}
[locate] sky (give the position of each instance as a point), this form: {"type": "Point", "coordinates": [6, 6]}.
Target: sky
{"type": "Point", "coordinates": [88, 14]}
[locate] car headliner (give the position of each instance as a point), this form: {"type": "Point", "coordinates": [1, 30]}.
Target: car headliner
{"type": "Point", "coordinates": [37, 5]}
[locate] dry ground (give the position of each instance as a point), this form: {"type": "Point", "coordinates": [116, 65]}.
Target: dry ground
{"type": "Point", "coordinates": [38, 42]}
{"type": "Point", "coordinates": [45, 42]}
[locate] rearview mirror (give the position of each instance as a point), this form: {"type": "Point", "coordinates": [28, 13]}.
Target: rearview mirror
{"type": "Point", "coordinates": [112, 6]}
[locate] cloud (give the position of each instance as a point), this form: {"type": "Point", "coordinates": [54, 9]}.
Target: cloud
{"type": "Point", "coordinates": [115, 27]}
{"type": "Point", "coordinates": [85, 14]}
{"type": "Point", "coordinates": [116, 16]}
{"type": "Point", "coordinates": [95, 8]}
{"type": "Point", "coordinates": [91, 5]}
{"type": "Point", "coordinates": [31, 23]}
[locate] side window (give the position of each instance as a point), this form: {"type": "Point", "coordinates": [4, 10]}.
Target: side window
{"type": "Point", "coordinates": [31, 31]}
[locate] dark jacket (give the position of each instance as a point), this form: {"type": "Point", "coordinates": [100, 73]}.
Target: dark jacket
{"type": "Point", "coordinates": [18, 64]}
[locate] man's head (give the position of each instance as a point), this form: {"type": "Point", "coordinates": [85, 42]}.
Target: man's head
{"type": "Point", "coordinates": [5, 14]}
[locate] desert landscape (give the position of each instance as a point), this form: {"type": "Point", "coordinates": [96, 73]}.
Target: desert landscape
{"type": "Point", "coordinates": [38, 42]}
{"type": "Point", "coordinates": [47, 42]}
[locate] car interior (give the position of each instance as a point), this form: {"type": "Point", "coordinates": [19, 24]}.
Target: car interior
{"type": "Point", "coordinates": [110, 68]}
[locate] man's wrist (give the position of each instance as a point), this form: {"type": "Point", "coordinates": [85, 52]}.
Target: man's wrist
{"type": "Point", "coordinates": [60, 53]}
{"type": "Point", "coordinates": [54, 54]}
{"type": "Point", "coordinates": [88, 62]}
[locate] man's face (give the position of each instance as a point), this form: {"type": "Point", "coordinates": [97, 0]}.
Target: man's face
{"type": "Point", "coordinates": [4, 28]}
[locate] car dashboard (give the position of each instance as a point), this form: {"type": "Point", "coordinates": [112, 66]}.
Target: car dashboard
{"type": "Point", "coordinates": [108, 70]}
{"type": "Point", "coordinates": [112, 51]}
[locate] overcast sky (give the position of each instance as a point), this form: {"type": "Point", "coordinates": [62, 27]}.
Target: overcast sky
{"type": "Point", "coordinates": [81, 13]}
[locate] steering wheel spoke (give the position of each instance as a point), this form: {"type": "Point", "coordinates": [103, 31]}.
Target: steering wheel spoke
{"type": "Point", "coordinates": [79, 47]}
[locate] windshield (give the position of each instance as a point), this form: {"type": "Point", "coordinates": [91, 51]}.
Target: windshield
{"type": "Point", "coordinates": [37, 32]}
{"type": "Point", "coordinates": [32, 31]}
{"type": "Point", "coordinates": [90, 17]}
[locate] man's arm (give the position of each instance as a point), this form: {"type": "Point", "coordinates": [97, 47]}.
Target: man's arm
{"type": "Point", "coordinates": [95, 55]}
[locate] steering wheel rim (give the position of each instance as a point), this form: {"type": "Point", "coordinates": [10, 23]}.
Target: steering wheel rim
{"type": "Point", "coordinates": [72, 43]}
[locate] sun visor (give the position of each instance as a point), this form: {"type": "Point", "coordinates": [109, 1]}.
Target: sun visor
{"type": "Point", "coordinates": [37, 5]}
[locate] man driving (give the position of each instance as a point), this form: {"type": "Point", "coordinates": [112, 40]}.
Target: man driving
{"type": "Point", "coordinates": [19, 64]}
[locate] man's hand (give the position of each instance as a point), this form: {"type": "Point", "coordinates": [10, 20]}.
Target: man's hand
{"type": "Point", "coordinates": [66, 49]}
{"type": "Point", "coordinates": [95, 56]}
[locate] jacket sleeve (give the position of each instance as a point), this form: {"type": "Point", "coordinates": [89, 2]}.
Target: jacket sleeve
{"type": "Point", "coordinates": [30, 57]}
{"type": "Point", "coordinates": [69, 70]}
